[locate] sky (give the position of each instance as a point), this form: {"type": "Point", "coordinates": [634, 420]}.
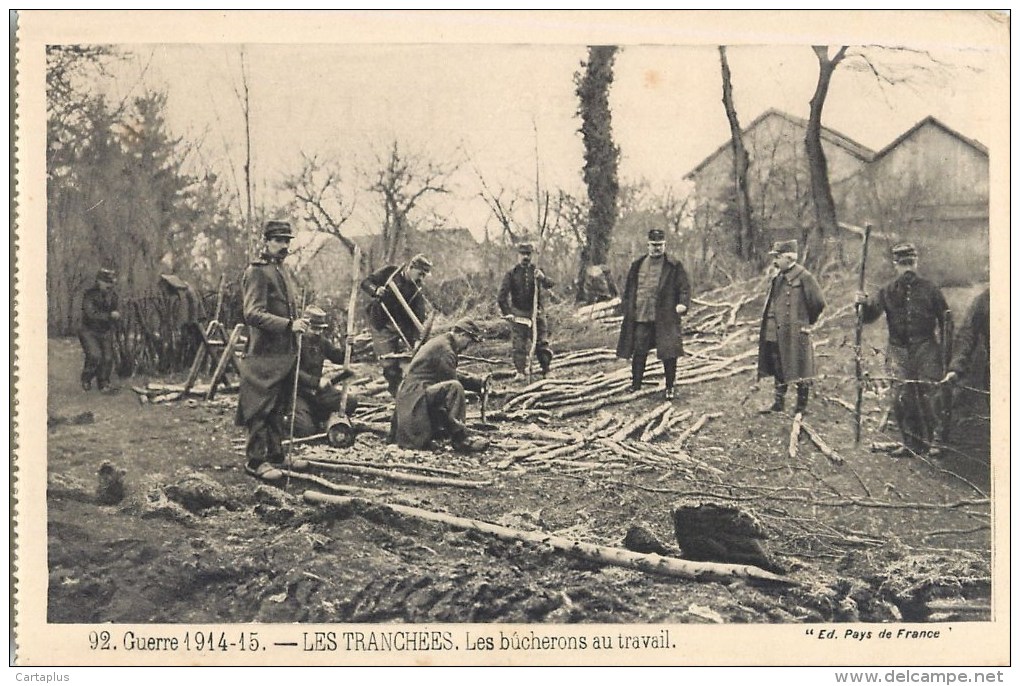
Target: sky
{"type": "Point", "coordinates": [494, 109]}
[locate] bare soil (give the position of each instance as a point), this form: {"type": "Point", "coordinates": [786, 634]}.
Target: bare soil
{"type": "Point", "coordinates": [248, 552]}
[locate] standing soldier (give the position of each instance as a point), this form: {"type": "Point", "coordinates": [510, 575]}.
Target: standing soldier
{"type": "Point", "coordinates": [271, 356]}
{"type": "Point", "coordinates": [431, 402]}
{"type": "Point", "coordinates": [396, 313]}
{"type": "Point", "coordinates": [917, 316]}
{"type": "Point", "coordinates": [785, 351]}
{"type": "Point", "coordinates": [655, 298]}
{"type": "Point", "coordinates": [98, 315]}
{"type": "Point", "coordinates": [517, 302]}
{"type": "Point", "coordinates": [318, 397]}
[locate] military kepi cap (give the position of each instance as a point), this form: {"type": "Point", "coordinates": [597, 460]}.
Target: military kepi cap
{"type": "Point", "coordinates": [277, 229]}
{"type": "Point", "coordinates": [421, 262]}
{"type": "Point", "coordinates": [106, 275]}
{"type": "Point", "coordinates": [525, 248]}
{"type": "Point", "coordinates": [780, 247]}
{"type": "Point", "coordinates": [470, 327]}
{"type": "Point", "coordinates": [904, 252]}
{"type": "Point", "coordinates": [316, 317]}
{"type": "Point", "coordinates": [656, 236]}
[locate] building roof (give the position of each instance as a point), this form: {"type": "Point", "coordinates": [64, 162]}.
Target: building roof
{"type": "Point", "coordinates": [934, 122]}
{"type": "Point", "coordinates": [829, 135]}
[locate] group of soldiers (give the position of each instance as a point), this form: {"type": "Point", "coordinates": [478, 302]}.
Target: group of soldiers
{"type": "Point", "coordinates": [430, 395]}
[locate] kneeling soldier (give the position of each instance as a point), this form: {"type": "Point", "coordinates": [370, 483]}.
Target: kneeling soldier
{"type": "Point", "coordinates": [430, 402]}
{"type": "Point", "coordinates": [318, 398]}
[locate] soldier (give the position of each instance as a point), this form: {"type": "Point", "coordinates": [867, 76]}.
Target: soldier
{"type": "Point", "coordinates": [271, 356]}
{"type": "Point", "coordinates": [971, 352]}
{"type": "Point", "coordinates": [98, 316]}
{"type": "Point", "coordinates": [656, 296]}
{"type": "Point", "coordinates": [430, 402]}
{"type": "Point", "coordinates": [917, 314]}
{"type": "Point", "coordinates": [390, 320]}
{"type": "Point", "coordinates": [516, 301]}
{"type": "Point", "coordinates": [318, 397]}
{"type": "Point", "coordinates": [785, 351]}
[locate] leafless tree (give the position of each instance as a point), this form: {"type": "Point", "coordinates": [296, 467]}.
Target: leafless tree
{"type": "Point", "coordinates": [402, 181]}
{"type": "Point", "coordinates": [318, 192]}
{"type": "Point", "coordinates": [745, 243]}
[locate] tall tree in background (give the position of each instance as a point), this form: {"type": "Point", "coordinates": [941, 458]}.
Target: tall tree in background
{"type": "Point", "coordinates": [746, 244]}
{"type": "Point", "coordinates": [601, 156]}
{"type": "Point", "coordinates": [318, 194]}
{"type": "Point", "coordinates": [821, 191]}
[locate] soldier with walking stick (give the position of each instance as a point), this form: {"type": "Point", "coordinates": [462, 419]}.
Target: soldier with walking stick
{"type": "Point", "coordinates": [271, 357]}
{"type": "Point", "coordinates": [918, 319]}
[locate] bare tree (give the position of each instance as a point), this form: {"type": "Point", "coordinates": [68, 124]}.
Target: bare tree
{"type": "Point", "coordinates": [402, 180]}
{"type": "Point", "coordinates": [821, 191]}
{"type": "Point", "coordinates": [244, 99]}
{"type": "Point", "coordinates": [745, 242]}
{"type": "Point", "coordinates": [318, 191]}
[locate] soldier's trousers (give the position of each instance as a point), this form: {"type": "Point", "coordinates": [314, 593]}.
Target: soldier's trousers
{"type": "Point", "coordinates": [387, 341]}
{"type": "Point", "coordinates": [644, 339]}
{"type": "Point", "coordinates": [915, 402]}
{"type": "Point", "coordinates": [266, 432]}
{"type": "Point", "coordinates": [447, 408]}
{"type": "Point", "coordinates": [520, 344]}
{"type": "Point", "coordinates": [314, 410]}
{"type": "Point", "coordinates": [98, 349]}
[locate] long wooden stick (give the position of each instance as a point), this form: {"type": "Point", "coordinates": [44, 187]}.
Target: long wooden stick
{"type": "Point", "coordinates": [858, 333]}
{"type": "Point", "coordinates": [640, 422]}
{"type": "Point", "coordinates": [399, 476]}
{"type": "Point", "coordinates": [670, 566]}
{"type": "Point", "coordinates": [696, 427]}
{"type": "Point", "coordinates": [798, 422]}
{"type": "Point", "coordinates": [822, 446]}
{"type": "Point", "coordinates": [352, 305]}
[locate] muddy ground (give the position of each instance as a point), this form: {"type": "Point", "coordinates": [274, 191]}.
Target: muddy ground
{"type": "Point", "coordinates": [874, 539]}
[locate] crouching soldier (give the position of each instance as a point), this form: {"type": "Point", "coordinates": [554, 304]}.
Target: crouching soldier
{"type": "Point", "coordinates": [431, 402]}
{"type": "Point", "coordinates": [318, 397]}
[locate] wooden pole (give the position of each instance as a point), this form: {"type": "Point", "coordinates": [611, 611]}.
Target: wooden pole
{"type": "Point", "coordinates": [858, 333]}
{"type": "Point", "coordinates": [670, 566]}
{"type": "Point", "coordinates": [399, 476]}
{"type": "Point", "coordinates": [352, 305]}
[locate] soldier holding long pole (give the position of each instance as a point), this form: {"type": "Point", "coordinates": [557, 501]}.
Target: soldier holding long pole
{"type": "Point", "coordinates": [521, 303]}
{"type": "Point", "coordinates": [396, 313]}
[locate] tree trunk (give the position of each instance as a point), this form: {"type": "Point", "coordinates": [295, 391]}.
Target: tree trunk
{"type": "Point", "coordinates": [601, 156]}
{"type": "Point", "coordinates": [821, 191]}
{"type": "Point", "coordinates": [669, 566]}
{"type": "Point", "coordinates": [745, 244]}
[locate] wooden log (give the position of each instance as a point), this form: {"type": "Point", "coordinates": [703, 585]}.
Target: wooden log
{"type": "Point", "coordinates": [658, 427]}
{"type": "Point", "coordinates": [697, 426]}
{"type": "Point", "coordinates": [400, 476]}
{"type": "Point", "coordinates": [791, 449]}
{"type": "Point", "coordinates": [330, 485]}
{"type": "Point", "coordinates": [653, 563]}
{"type": "Point", "coordinates": [391, 465]}
{"type": "Point", "coordinates": [641, 421]}
{"type": "Point", "coordinates": [822, 446]}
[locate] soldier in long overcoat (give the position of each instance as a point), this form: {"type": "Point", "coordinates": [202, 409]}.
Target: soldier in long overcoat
{"type": "Point", "coordinates": [431, 402]}
{"type": "Point", "coordinates": [271, 355]}
{"type": "Point", "coordinates": [794, 303]}
{"type": "Point", "coordinates": [656, 296]}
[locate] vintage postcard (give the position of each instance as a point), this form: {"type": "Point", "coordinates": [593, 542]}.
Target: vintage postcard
{"type": "Point", "coordinates": [511, 338]}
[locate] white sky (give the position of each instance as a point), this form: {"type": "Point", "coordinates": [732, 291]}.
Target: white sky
{"type": "Point", "coordinates": [484, 102]}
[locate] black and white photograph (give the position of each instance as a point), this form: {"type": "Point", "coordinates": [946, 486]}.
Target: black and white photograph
{"type": "Point", "coordinates": [512, 338]}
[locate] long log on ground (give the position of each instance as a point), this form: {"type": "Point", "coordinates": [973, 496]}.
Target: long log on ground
{"type": "Point", "coordinates": [822, 446]}
{"type": "Point", "coordinates": [675, 567]}
{"type": "Point", "coordinates": [641, 421]}
{"type": "Point", "coordinates": [402, 477]}
{"type": "Point", "coordinates": [798, 420]}
{"type": "Point", "coordinates": [657, 427]}
{"type": "Point", "coordinates": [697, 426]}
{"type": "Point", "coordinates": [329, 485]}
{"type": "Point", "coordinates": [391, 465]}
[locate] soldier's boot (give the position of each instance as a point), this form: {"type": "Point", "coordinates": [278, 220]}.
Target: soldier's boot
{"type": "Point", "coordinates": [86, 383]}
{"type": "Point", "coordinates": [393, 376]}
{"type": "Point", "coordinates": [778, 402]}
{"type": "Point", "coordinates": [803, 391]}
{"type": "Point", "coordinates": [465, 443]}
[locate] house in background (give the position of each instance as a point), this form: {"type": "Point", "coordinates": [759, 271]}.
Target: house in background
{"type": "Point", "coordinates": [778, 177]}
{"type": "Point", "coordinates": [929, 185]}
